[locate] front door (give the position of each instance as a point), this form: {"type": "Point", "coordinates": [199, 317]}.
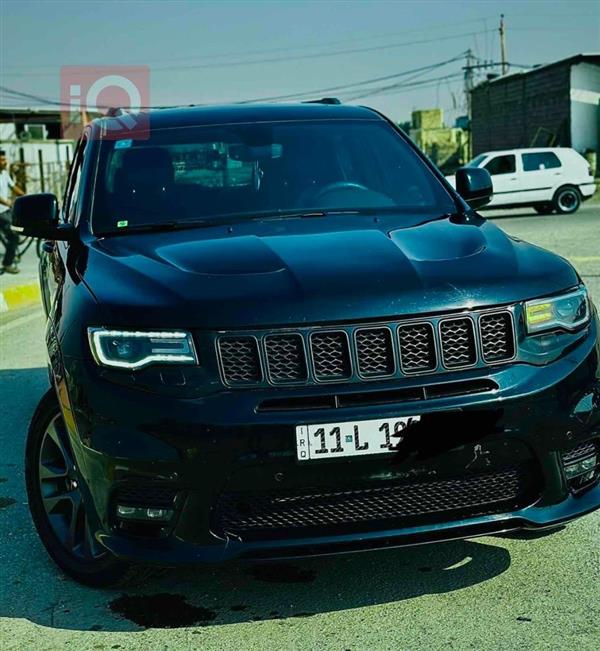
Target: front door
{"type": "Point", "coordinates": [503, 170]}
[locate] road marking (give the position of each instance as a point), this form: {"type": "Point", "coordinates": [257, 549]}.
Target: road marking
{"type": "Point", "coordinates": [22, 320]}
{"type": "Point", "coordinates": [585, 258]}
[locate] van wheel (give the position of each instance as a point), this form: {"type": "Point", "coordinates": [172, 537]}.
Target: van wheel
{"type": "Point", "coordinates": [56, 501]}
{"type": "Point", "coordinates": [544, 208]}
{"type": "Point", "coordinates": [567, 200]}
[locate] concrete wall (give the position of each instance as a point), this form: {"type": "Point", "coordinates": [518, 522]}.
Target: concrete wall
{"type": "Point", "coordinates": [585, 96]}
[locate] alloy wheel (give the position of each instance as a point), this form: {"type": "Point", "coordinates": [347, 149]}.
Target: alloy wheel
{"type": "Point", "coordinates": [61, 493]}
{"type": "Point", "coordinates": [568, 200]}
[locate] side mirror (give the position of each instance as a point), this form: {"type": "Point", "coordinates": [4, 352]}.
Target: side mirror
{"type": "Point", "coordinates": [36, 215]}
{"type": "Point", "coordinates": [474, 184]}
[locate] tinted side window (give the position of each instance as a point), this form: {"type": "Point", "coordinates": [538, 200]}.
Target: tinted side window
{"type": "Point", "coordinates": [543, 160]}
{"type": "Point", "coordinates": [501, 165]}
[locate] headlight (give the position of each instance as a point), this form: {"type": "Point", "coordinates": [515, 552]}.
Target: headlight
{"type": "Point", "coordinates": [133, 350]}
{"type": "Point", "coordinates": [569, 311]}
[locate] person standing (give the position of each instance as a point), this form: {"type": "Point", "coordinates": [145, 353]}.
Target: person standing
{"type": "Point", "coordinates": [12, 239]}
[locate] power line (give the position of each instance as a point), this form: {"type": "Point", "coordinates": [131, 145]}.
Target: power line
{"type": "Point", "coordinates": [287, 48]}
{"type": "Point", "coordinates": [401, 87]}
{"type": "Point", "coordinates": [297, 95]}
{"type": "Point", "coordinates": [311, 55]}
{"type": "Point", "coordinates": [330, 89]}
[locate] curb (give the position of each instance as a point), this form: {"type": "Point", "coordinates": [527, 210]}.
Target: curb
{"type": "Point", "coordinates": [19, 296]}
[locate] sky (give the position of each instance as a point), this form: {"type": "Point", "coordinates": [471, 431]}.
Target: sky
{"type": "Point", "coordinates": [218, 52]}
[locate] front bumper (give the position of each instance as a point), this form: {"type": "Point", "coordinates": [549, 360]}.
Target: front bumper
{"type": "Point", "coordinates": [220, 444]}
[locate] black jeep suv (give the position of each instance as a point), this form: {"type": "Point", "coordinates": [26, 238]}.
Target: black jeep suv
{"type": "Point", "coordinates": [277, 331]}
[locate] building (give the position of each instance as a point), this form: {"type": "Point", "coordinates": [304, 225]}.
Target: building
{"type": "Point", "coordinates": [551, 105]}
{"type": "Point", "coordinates": [39, 157]}
{"type": "Point", "coordinates": [445, 146]}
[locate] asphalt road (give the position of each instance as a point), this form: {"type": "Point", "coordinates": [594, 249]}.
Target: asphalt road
{"type": "Point", "coordinates": [487, 593]}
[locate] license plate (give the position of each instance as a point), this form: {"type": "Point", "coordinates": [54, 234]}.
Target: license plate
{"type": "Point", "coordinates": [351, 439]}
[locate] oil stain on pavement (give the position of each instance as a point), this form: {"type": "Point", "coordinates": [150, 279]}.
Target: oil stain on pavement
{"type": "Point", "coordinates": [161, 611]}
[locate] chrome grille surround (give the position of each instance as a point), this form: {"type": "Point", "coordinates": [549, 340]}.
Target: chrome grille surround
{"type": "Point", "coordinates": [359, 353]}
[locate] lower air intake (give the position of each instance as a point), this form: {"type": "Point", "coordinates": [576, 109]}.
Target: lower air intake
{"type": "Point", "coordinates": [400, 504]}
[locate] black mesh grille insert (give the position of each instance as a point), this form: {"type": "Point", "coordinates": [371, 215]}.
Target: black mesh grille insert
{"type": "Point", "coordinates": [149, 494]}
{"type": "Point", "coordinates": [580, 452]}
{"type": "Point", "coordinates": [240, 360]}
{"type": "Point", "coordinates": [417, 348]}
{"type": "Point", "coordinates": [497, 340]}
{"type": "Point", "coordinates": [375, 352]}
{"type": "Point", "coordinates": [458, 342]}
{"type": "Point", "coordinates": [270, 513]}
{"type": "Point", "coordinates": [331, 357]}
{"type": "Point", "coordinates": [285, 358]}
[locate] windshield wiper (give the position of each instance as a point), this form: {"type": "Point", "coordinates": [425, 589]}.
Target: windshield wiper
{"type": "Point", "coordinates": [161, 226]}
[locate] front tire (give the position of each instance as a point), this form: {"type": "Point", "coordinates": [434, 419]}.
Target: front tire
{"type": "Point", "coordinates": [567, 200]}
{"type": "Point", "coordinates": [57, 504]}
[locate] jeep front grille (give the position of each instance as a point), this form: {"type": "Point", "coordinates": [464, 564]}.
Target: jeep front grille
{"type": "Point", "coordinates": [357, 353]}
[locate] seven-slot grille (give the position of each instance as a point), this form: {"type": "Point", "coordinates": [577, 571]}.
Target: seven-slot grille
{"type": "Point", "coordinates": [354, 353]}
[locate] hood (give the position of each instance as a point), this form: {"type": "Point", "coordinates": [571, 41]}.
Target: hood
{"type": "Point", "coordinates": [269, 274]}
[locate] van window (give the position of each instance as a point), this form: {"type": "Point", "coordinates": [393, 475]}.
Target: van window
{"type": "Point", "coordinates": [543, 160]}
{"type": "Point", "coordinates": [504, 164]}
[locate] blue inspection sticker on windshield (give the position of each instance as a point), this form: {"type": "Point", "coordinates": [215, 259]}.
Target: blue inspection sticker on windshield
{"type": "Point", "coordinates": [123, 144]}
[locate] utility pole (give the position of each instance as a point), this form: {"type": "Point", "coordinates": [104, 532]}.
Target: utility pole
{"type": "Point", "coordinates": [502, 31]}
{"type": "Point", "coordinates": [469, 65]}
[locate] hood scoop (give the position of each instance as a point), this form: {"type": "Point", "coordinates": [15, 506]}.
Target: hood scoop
{"type": "Point", "coordinates": [438, 241]}
{"type": "Point", "coordinates": [221, 257]}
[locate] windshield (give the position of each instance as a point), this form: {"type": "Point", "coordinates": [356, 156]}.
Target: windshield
{"type": "Point", "coordinates": [476, 161]}
{"type": "Point", "coordinates": [248, 170]}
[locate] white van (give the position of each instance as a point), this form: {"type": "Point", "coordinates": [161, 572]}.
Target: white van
{"type": "Point", "coordinates": [548, 179]}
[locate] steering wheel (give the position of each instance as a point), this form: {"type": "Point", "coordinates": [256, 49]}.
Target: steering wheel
{"type": "Point", "coordinates": [311, 195]}
{"type": "Point", "coordinates": [339, 185]}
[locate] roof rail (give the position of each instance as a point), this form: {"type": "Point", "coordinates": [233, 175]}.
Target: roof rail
{"type": "Point", "coordinates": [323, 100]}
